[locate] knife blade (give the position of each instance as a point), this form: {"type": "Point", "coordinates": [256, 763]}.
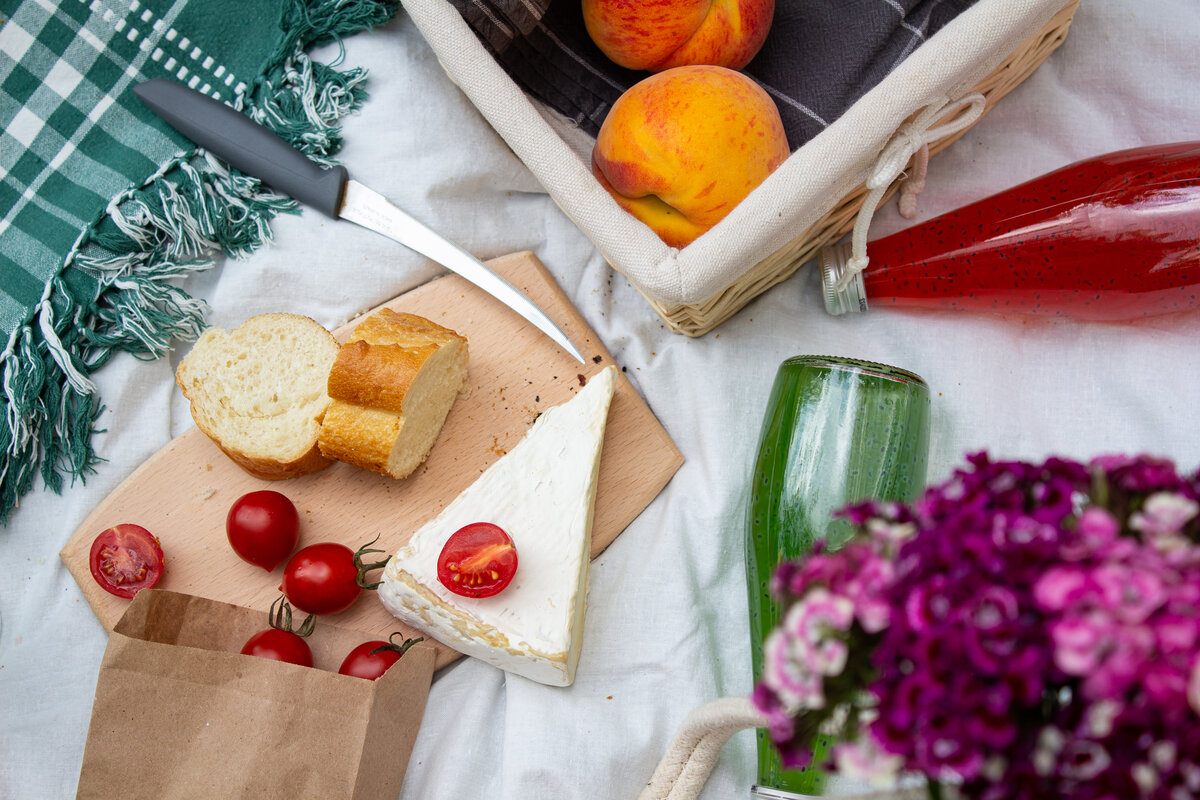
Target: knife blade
{"type": "Point", "coordinates": [257, 151]}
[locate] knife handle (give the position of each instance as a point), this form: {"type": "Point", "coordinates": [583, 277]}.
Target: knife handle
{"type": "Point", "coordinates": [246, 145]}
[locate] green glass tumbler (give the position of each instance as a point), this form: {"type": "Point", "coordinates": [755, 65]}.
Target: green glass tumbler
{"type": "Point", "coordinates": [835, 431]}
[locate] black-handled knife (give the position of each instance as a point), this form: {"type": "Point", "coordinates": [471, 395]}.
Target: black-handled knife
{"type": "Point", "coordinates": [255, 150]}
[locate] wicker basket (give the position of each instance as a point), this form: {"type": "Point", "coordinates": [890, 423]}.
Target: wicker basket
{"type": "Point", "coordinates": [979, 57]}
{"type": "Point", "coordinates": [700, 318]}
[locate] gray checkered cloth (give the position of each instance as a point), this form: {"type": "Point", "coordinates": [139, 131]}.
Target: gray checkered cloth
{"type": "Point", "coordinates": [820, 57]}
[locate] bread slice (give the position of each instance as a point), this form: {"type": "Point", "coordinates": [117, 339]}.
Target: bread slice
{"type": "Point", "coordinates": [391, 386]}
{"type": "Point", "coordinates": [258, 392]}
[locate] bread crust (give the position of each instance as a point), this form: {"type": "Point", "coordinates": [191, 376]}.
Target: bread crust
{"type": "Point", "coordinates": [376, 375]}
{"type": "Point", "coordinates": [371, 387]}
{"type": "Point", "coordinates": [271, 470]}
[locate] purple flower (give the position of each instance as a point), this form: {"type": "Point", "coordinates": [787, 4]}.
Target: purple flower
{"type": "Point", "coordinates": [1141, 474]}
{"type": "Point", "coordinates": [1027, 630]}
{"type": "Point", "coordinates": [927, 605]}
{"type": "Point", "coordinates": [780, 722]}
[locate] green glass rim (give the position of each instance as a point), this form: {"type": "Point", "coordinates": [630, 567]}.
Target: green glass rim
{"type": "Point", "coordinates": [847, 363]}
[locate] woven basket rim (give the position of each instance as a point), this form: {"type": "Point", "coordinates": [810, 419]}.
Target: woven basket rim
{"type": "Point", "coordinates": [697, 319]}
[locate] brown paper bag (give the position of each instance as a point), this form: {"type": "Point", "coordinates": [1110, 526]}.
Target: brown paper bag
{"type": "Point", "coordinates": [180, 713]}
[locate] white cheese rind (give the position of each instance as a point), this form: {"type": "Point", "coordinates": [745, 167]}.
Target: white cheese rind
{"type": "Point", "coordinates": [542, 492]}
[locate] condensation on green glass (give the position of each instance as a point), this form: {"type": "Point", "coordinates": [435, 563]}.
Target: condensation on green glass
{"type": "Point", "coordinates": [835, 431]}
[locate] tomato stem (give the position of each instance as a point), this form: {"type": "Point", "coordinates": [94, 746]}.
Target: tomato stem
{"type": "Point", "coordinates": [280, 618]}
{"type": "Point", "coordinates": [401, 648]}
{"type": "Point", "coordinates": [364, 568]}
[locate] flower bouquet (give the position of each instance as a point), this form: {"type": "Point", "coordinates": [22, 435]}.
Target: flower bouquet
{"type": "Point", "coordinates": [1020, 631]}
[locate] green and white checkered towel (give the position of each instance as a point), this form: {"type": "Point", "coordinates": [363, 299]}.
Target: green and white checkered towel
{"type": "Point", "coordinates": [102, 205]}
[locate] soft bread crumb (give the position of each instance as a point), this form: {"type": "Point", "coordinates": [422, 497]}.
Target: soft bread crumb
{"type": "Point", "coordinates": [259, 392]}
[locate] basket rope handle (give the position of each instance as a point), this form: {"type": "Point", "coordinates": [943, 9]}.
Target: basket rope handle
{"type": "Point", "coordinates": [685, 767]}
{"type": "Point", "coordinates": [912, 139]}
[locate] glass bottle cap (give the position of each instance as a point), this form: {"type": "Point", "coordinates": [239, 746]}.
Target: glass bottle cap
{"type": "Point", "coordinates": [853, 297]}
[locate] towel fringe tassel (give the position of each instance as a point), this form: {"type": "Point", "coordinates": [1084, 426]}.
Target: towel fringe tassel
{"type": "Point", "coordinates": [147, 240]}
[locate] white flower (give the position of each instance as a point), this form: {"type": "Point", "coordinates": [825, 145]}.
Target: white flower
{"type": "Point", "coordinates": [1164, 513]}
{"type": "Point", "coordinates": [890, 534]}
{"type": "Point", "coordinates": [864, 762]}
{"type": "Point", "coordinates": [1099, 717]}
{"type": "Point", "coordinates": [1045, 755]}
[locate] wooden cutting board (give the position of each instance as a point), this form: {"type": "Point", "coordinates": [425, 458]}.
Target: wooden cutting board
{"type": "Point", "coordinates": [183, 492]}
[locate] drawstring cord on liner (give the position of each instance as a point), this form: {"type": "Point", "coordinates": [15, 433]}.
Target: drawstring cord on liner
{"type": "Point", "coordinates": [912, 139]}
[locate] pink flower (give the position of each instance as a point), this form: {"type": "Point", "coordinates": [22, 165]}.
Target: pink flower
{"type": "Point", "coordinates": [1131, 593]}
{"type": "Point", "coordinates": [816, 623]}
{"type": "Point", "coordinates": [1062, 587]}
{"type": "Point", "coordinates": [1080, 642]}
{"type": "Point", "coordinates": [1097, 529]}
{"type": "Point", "coordinates": [1128, 653]}
{"type": "Point", "coordinates": [784, 674]}
{"type": "Point", "coordinates": [807, 646]}
{"type": "Point", "coordinates": [871, 607]}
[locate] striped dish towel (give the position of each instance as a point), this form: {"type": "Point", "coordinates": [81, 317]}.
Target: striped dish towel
{"type": "Point", "coordinates": [102, 205]}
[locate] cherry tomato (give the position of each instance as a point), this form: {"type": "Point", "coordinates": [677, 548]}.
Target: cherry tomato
{"type": "Point", "coordinates": [279, 642]}
{"type": "Point", "coordinates": [126, 559]}
{"type": "Point", "coordinates": [279, 645]}
{"type": "Point", "coordinates": [371, 659]}
{"type": "Point", "coordinates": [478, 560]}
{"type": "Point", "coordinates": [263, 528]}
{"type": "Point", "coordinates": [321, 578]}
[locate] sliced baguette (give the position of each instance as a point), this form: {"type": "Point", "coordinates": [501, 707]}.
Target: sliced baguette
{"type": "Point", "coordinates": [259, 392]}
{"type": "Point", "coordinates": [391, 387]}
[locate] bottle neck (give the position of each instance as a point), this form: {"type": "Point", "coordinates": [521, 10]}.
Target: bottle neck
{"type": "Point", "coordinates": [848, 299]}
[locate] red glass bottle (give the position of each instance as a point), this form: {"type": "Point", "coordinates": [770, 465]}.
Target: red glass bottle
{"type": "Point", "coordinates": [1110, 238]}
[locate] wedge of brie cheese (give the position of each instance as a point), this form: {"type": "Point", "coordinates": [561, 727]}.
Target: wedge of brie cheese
{"type": "Point", "coordinates": [542, 492]}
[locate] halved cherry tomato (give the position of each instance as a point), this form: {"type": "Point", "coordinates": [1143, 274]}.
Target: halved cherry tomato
{"type": "Point", "coordinates": [371, 659]}
{"type": "Point", "coordinates": [279, 642]}
{"type": "Point", "coordinates": [263, 528]}
{"type": "Point", "coordinates": [322, 578]}
{"type": "Point", "coordinates": [125, 559]}
{"type": "Point", "coordinates": [478, 560]}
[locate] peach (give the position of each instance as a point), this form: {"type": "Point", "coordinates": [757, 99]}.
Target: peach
{"type": "Point", "coordinates": [656, 35]}
{"type": "Point", "coordinates": [681, 148]}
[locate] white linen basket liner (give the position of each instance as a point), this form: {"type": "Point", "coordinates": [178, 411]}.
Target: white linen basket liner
{"type": "Point", "coordinates": [814, 180]}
